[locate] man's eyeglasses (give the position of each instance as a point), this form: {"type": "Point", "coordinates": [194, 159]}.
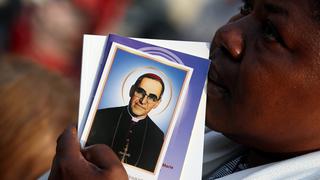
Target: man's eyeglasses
{"type": "Point", "coordinates": [141, 93]}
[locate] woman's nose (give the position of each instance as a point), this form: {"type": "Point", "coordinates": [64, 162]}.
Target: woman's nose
{"type": "Point", "coordinates": [229, 38]}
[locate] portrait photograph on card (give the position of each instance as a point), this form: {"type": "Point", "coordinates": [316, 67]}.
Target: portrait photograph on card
{"type": "Point", "coordinates": [135, 107]}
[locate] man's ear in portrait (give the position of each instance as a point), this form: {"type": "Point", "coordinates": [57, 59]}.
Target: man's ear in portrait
{"type": "Point", "coordinates": [132, 89]}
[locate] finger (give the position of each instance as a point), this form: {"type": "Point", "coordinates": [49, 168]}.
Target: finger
{"type": "Point", "coordinates": [102, 156]}
{"type": "Point", "coordinates": [68, 144]}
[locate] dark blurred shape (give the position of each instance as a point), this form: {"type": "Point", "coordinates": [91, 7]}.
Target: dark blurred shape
{"type": "Point", "coordinates": [193, 20]}
{"type": "Point", "coordinates": [35, 107]}
{"type": "Point", "coordinates": [148, 19]}
{"type": "Point", "coordinates": [159, 29]}
{"type": "Point", "coordinates": [8, 11]}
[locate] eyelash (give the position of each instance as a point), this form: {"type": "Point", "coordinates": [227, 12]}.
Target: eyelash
{"type": "Point", "coordinates": [270, 32]}
{"type": "Point", "coordinates": [246, 8]}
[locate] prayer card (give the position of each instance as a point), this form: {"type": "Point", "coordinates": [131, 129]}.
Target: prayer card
{"type": "Point", "coordinates": [143, 101]}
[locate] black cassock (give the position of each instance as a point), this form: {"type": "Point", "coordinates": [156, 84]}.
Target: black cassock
{"type": "Point", "coordinates": [136, 143]}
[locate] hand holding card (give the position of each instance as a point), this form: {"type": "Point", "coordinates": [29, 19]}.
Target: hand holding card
{"type": "Point", "coordinates": [95, 162]}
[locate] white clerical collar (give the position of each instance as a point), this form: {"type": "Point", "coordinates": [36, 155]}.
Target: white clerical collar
{"type": "Point", "coordinates": [135, 119]}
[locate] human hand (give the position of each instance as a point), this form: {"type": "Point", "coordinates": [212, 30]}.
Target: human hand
{"type": "Point", "coordinates": [94, 162]}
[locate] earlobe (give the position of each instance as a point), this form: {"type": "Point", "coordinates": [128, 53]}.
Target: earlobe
{"type": "Point", "coordinates": [156, 105]}
{"type": "Point", "coordinates": [131, 90]}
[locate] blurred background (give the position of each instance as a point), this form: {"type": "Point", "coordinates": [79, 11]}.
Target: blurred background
{"type": "Point", "coordinates": [46, 36]}
{"type": "Point", "coordinates": [49, 32]}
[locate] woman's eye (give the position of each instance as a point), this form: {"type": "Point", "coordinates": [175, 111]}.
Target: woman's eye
{"type": "Point", "coordinates": [246, 8]}
{"type": "Point", "coordinates": [270, 32]}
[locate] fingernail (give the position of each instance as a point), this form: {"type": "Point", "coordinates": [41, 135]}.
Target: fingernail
{"type": "Point", "coordinates": [73, 131]}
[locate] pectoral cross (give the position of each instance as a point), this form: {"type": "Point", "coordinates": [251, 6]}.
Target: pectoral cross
{"type": "Point", "coordinates": [125, 153]}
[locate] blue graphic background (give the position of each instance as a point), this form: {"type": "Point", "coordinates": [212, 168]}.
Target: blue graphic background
{"type": "Point", "coordinates": [125, 63]}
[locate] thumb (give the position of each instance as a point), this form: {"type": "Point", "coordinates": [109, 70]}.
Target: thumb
{"type": "Point", "coordinates": [68, 144]}
{"type": "Point", "coordinates": [102, 156]}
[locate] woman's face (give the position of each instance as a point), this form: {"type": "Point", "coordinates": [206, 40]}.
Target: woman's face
{"type": "Point", "coordinates": [264, 79]}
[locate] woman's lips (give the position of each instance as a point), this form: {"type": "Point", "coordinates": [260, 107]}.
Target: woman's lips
{"type": "Point", "coordinates": [216, 86]}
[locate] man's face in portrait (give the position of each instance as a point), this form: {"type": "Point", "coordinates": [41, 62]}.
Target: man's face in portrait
{"type": "Point", "coordinates": [146, 96]}
{"type": "Point", "coordinates": [264, 80]}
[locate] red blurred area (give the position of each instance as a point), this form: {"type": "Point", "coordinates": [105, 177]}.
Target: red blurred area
{"type": "Point", "coordinates": [50, 33]}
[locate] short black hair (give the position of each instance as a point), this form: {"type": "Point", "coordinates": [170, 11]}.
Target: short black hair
{"type": "Point", "coordinates": [150, 76]}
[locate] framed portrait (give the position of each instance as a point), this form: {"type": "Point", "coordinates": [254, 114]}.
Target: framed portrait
{"type": "Point", "coordinates": [135, 108]}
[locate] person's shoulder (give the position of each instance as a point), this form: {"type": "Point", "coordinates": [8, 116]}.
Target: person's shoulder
{"type": "Point", "coordinates": [111, 109]}
{"type": "Point", "coordinates": [110, 113]}
{"type": "Point", "coordinates": [153, 127]}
